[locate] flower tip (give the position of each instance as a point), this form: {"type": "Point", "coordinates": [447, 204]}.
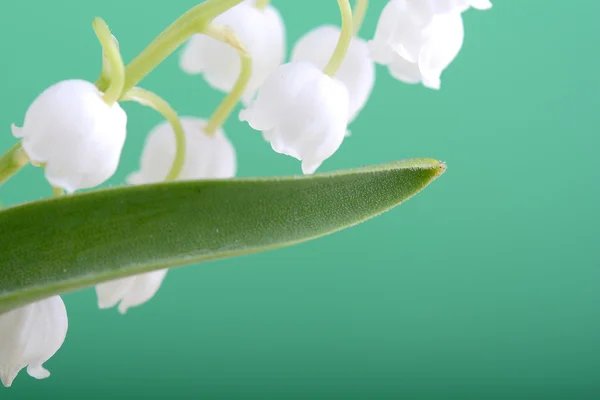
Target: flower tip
{"type": "Point", "coordinates": [135, 178]}
{"type": "Point", "coordinates": [244, 115]}
{"type": "Point", "coordinates": [16, 131]}
{"type": "Point", "coordinates": [122, 308]}
{"type": "Point", "coordinates": [482, 4]}
{"type": "Point", "coordinates": [38, 372]}
{"type": "Point", "coordinates": [434, 83]}
{"type": "Point", "coordinates": [104, 302]}
{"type": "Point", "coordinates": [7, 379]}
{"type": "Point", "coordinates": [309, 168]}
{"type": "Point", "coordinates": [103, 305]}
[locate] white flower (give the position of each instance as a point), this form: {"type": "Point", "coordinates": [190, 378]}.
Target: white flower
{"type": "Point", "coordinates": [74, 134]}
{"type": "Point", "coordinates": [262, 33]}
{"type": "Point", "coordinates": [414, 47]}
{"type": "Point", "coordinates": [131, 291]}
{"type": "Point", "coordinates": [357, 71]}
{"type": "Point", "coordinates": [29, 336]}
{"type": "Point", "coordinates": [302, 112]}
{"type": "Point", "coordinates": [205, 158]}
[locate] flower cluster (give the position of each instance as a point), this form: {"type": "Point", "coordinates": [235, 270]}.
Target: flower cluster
{"type": "Point", "coordinates": [75, 130]}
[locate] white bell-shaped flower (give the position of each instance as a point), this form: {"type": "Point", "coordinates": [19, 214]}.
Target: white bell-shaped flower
{"type": "Point", "coordinates": [206, 156]}
{"type": "Point", "coordinates": [302, 112]}
{"type": "Point", "coordinates": [357, 71]}
{"type": "Point", "coordinates": [129, 292]}
{"type": "Point", "coordinates": [413, 50]}
{"type": "Point", "coordinates": [29, 336]}
{"type": "Point", "coordinates": [262, 33]}
{"type": "Point", "coordinates": [76, 136]}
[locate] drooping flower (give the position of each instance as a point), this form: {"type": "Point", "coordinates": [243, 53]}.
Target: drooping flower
{"type": "Point", "coordinates": [129, 292]}
{"type": "Point", "coordinates": [418, 40]}
{"type": "Point", "coordinates": [29, 336]}
{"type": "Point", "coordinates": [302, 112]}
{"type": "Point", "coordinates": [260, 30]}
{"type": "Point", "coordinates": [357, 71]}
{"type": "Point", "coordinates": [206, 157]}
{"type": "Point", "coordinates": [76, 135]}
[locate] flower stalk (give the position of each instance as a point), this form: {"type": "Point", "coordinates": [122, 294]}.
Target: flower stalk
{"type": "Point", "coordinates": [12, 162]}
{"type": "Point", "coordinates": [346, 34]}
{"type": "Point", "coordinates": [112, 66]}
{"type": "Point", "coordinates": [149, 99]}
{"type": "Point", "coordinates": [224, 109]}
{"type": "Point", "coordinates": [196, 20]}
{"type": "Point", "coordinates": [360, 10]}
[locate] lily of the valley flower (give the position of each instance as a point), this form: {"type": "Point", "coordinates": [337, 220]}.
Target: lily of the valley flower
{"type": "Point", "coordinates": [29, 336]}
{"type": "Point", "coordinates": [302, 112]}
{"type": "Point", "coordinates": [357, 71]}
{"type": "Point", "coordinates": [75, 134]}
{"type": "Point", "coordinates": [260, 30]}
{"type": "Point", "coordinates": [129, 292]}
{"type": "Point", "coordinates": [418, 39]}
{"type": "Point", "coordinates": [206, 157]}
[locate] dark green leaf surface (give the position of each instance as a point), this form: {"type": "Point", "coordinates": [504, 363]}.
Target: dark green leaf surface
{"type": "Point", "coordinates": [62, 244]}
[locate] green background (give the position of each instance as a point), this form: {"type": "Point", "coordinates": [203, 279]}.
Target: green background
{"type": "Point", "coordinates": [486, 285]}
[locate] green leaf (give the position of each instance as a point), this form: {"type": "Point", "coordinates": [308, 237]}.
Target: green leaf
{"type": "Point", "coordinates": [62, 244]}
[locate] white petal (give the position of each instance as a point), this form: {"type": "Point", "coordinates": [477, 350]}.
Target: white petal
{"type": "Point", "coordinates": [205, 157]}
{"type": "Point", "coordinates": [400, 30]}
{"type": "Point", "coordinates": [29, 336]}
{"type": "Point", "coordinates": [75, 133]}
{"type": "Point", "coordinates": [481, 4]}
{"type": "Point", "coordinates": [381, 47]}
{"type": "Point", "coordinates": [405, 71]}
{"type": "Point", "coordinates": [445, 40]}
{"type": "Point", "coordinates": [302, 112]}
{"type": "Point", "coordinates": [131, 291]}
{"type": "Point", "coordinates": [277, 93]}
{"type": "Point", "coordinates": [357, 71]}
{"type": "Point", "coordinates": [261, 31]}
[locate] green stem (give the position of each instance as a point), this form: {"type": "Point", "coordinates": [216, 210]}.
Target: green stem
{"type": "Point", "coordinates": [222, 112]}
{"type": "Point", "coordinates": [56, 191]}
{"type": "Point", "coordinates": [346, 34]}
{"type": "Point", "coordinates": [193, 21]}
{"type": "Point", "coordinates": [11, 162]}
{"type": "Point", "coordinates": [360, 10]}
{"type": "Point", "coordinates": [261, 4]}
{"type": "Point", "coordinates": [114, 68]}
{"type": "Point", "coordinates": [152, 100]}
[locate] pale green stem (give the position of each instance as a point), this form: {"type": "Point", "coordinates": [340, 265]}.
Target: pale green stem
{"type": "Point", "coordinates": [222, 112]}
{"type": "Point", "coordinates": [343, 43]}
{"type": "Point", "coordinates": [261, 4]}
{"type": "Point", "coordinates": [12, 161]}
{"type": "Point", "coordinates": [193, 21]}
{"type": "Point", "coordinates": [114, 68]}
{"type": "Point", "coordinates": [56, 192]}
{"type": "Point", "coordinates": [152, 100]}
{"type": "Point", "coordinates": [360, 10]}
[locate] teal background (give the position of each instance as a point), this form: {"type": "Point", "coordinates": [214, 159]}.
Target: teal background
{"type": "Point", "coordinates": [486, 285]}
